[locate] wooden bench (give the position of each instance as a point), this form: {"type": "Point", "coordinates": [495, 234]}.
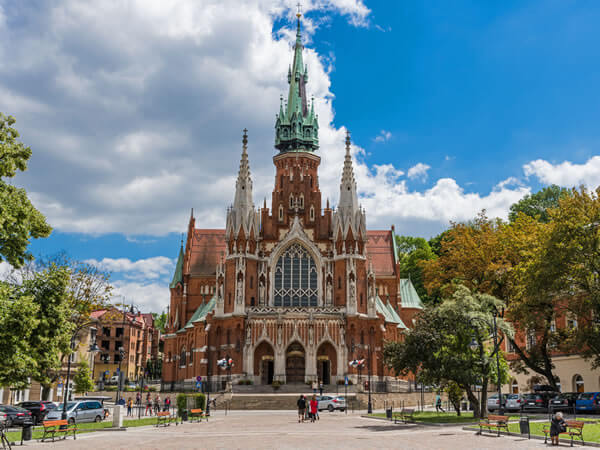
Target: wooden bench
{"type": "Point", "coordinates": [53, 428]}
{"type": "Point", "coordinates": [404, 415]}
{"type": "Point", "coordinates": [164, 418]}
{"type": "Point", "coordinates": [574, 430]}
{"type": "Point", "coordinates": [492, 421]}
{"type": "Point", "coordinates": [197, 414]}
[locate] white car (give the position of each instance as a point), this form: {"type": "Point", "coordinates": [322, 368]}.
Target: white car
{"type": "Point", "coordinates": [79, 411]}
{"type": "Point", "coordinates": [331, 403]}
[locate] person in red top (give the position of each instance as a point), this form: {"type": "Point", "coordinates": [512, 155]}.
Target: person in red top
{"type": "Point", "coordinates": [314, 404]}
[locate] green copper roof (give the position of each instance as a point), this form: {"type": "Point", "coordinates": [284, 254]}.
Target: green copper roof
{"type": "Point", "coordinates": [389, 315]}
{"type": "Point", "coordinates": [409, 296]}
{"type": "Point", "coordinates": [297, 127]}
{"type": "Point", "coordinates": [200, 313]}
{"type": "Point", "coordinates": [178, 275]}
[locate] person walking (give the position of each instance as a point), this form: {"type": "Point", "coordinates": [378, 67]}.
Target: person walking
{"type": "Point", "coordinates": [557, 426]}
{"type": "Point", "coordinates": [129, 406]}
{"type": "Point", "coordinates": [314, 404]}
{"type": "Point", "coordinates": [320, 388]}
{"type": "Point", "coordinates": [438, 403]}
{"type": "Point", "coordinates": [148, 404]}
{"type": "Point", "coordinates": [314, 387]}
{"type": "Point", "coordinates": [167, 403]}
{"type": "Point", "coordinates": [157, 404]}
{"type": "Point", "coordinates": [301, 408]}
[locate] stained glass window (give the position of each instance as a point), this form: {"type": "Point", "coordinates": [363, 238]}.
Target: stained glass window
{"type": "Point", "coordinates": [295, 278]}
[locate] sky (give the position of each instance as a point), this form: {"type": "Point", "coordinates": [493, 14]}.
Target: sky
{"type": "Point", "coordinates": [134, 111]}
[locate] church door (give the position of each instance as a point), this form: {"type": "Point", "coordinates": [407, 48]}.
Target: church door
{"type": "Point", "coordinates": [267, 371]}
{"type": "Point", "coordinates": [324, 371]}
{"type": "Point", "coordinates": [295, 364]}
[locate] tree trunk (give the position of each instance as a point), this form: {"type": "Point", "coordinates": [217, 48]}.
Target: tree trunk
{"type": "Point", "coordinates": [46, 392]}
{"type": "Point", "coordinates": [483, 405]}
{"type": "Point", "coordinates": [473, 400]}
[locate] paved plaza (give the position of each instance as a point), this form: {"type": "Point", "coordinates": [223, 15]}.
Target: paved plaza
{"type": "Point", "coordinates": [281, 430]}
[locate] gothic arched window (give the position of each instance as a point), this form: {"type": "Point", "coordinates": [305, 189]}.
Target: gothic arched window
{"type": "Point", "coordinates": [295, 278]}
{"type": "Point", "coordinates": [182, 357]}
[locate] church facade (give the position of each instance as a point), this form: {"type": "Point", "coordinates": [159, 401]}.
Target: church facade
{"type": "Point", "coordinates": [293, 292]}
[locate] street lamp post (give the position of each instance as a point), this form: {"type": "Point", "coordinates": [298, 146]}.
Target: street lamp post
{"type": "Point", "coordinates": [369, 404]}
{"type": "Point", "coordinates": [474, 346]}
{"type": "Point", "coordinates": [93, 349]}
{"type": "Point", "coordinates": [208, 371]}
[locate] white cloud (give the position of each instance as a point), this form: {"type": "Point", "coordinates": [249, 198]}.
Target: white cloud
{"type": "Point", "coordinates": [419, 171]}
{"type": "Point", "coordinates": [383, 136]}
{"type": "Point", "coordinates": [566, 173]}
{"type": "Point", "coordinates": [142, 269]}
{"type": "Point", "coordinates": [148, 297]}
{"type": "Point", "coordinates": [148, 104]}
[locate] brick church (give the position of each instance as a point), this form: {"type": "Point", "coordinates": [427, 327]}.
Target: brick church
{"type": "Point", "coordinates": [292, 292]}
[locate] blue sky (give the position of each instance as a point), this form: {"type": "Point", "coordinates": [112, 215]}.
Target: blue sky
{"type": "Point", "coordinates": [134, 112]}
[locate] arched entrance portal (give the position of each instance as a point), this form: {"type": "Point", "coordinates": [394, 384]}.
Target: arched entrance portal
{"type": "Point", "coordinates": [294, 363]}
{"type": "Point", "coordinates": [263, 362]}
{"type": "Point", "coordinates": [326, 362]}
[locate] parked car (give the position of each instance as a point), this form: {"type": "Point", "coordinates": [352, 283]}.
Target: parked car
{"type": "Point", "coordinates": [79, 411]}
{"type": "Point", "coordinates": [537, 401]}
{"type": "Point", "coordinates": [493, 404]}
{"type": "Point", "coordinates": [38, 409]}
{"type": "Point", "coordinates": [514, 402]}
{"type": "Point", "coordinates": [15, 415]}
{"type": "Point", "coordinates": [588, 402]}
{"type": "Point", "coordinates": [564, 402]}
{"type": "Point", "coordinates": [331, 403]}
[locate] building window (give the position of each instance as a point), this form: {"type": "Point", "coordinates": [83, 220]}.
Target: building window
{"type": "Point", "coordinates": [515, 387]}
{"type": "Point", "coordinates": [117, 358]}
{"type": "Point", "coordinates": [301, 200]}
{"type": "Point", "coordinates": [312, 213]}
{"type": "Point", "coordinates": [252, 301]}
{"type": "Point", "coordinates": [553, 326]}
{"type": "Point", "coordinates": [291, 201]}
{"type": "Point", "coordinates": [510, 347]}
{"type": "Point", "coordinates": [295, 278]}
{"type": "Point", "coordinates": [106, 331]}
{"type": "Point", "coordinates": [251, 282]}
{"type": "Point", "coordinates": [280, 213]}
{"type": "Point", "coordinates": [105, 345]}
{"type": "Point", "coordinates": [571, 322]}
{"type": "Point", "coordinates": [531, 340]}
{"type": "Point", "coordinates": [119, 332]}
{"type": "Point", "coordinates": [191, 355]}
{"type": "Point", "coordinates": [182, 357]}
{"type": "Point", "coordinates": [361, 299]}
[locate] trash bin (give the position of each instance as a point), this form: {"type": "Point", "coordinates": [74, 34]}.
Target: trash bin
{"type": "Point", "coordinates": [26, 431]}
{"type": "Point", "coordinates": [388, 413]}
{"type": "Point", "coordinates": [524, 426]}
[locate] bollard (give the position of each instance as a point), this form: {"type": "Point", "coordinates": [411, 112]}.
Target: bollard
{"type": "Point", "coordinates": [118, 416]}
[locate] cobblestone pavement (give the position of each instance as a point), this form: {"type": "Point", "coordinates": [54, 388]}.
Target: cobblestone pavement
{"type": "Point", "coordinates": [281, 430]}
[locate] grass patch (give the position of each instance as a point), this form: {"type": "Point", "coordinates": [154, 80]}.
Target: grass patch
{"type": "Point", "coordinates": [435, 417]}
{"type": "Point", "coordinates": [38, 431]}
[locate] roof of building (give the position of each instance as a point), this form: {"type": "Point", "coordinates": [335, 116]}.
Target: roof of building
{"type": "Point", "coordinates": [380, 250]}
{"type": "Point", "coordinates": [207, 248]}
{"type": "Point", "coordinates": [200, 313]}
{"type": "Point", "coordinates": [388, 313]}
{"type": "Point", "coordinates": [178, 275]}
{"type": "Point", "coordinates": [409, 296]}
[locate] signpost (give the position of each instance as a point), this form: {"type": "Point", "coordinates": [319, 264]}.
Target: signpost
{"type": "Point", "coordinates": [346, 392]}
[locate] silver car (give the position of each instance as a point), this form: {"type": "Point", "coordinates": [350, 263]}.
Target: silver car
{"type": "Point", "coordinates": [331, 403]}
{"type": "Point", "coordinates": [81, 411]}
{"type": "Point", "coordinates": [493, 404]}
{"type": "Point", "coordinates": [514, 402]}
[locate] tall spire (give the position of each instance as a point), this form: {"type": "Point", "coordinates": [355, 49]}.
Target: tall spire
{"type": "Point", "coordinates": [242, 211]}
{"type": "Point", "coordinates": [178, 275]}
{"type": "Point", "coordinates": [348, 195]}
{"type": "Point", "coordinates": [296, 125]}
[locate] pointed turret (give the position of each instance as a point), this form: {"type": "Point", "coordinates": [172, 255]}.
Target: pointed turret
{"type": "Point", "coordinates": [348, 215]}
{"type": "Point", "coordinates": [296, 127]}
{"type": "Point", "coordinates": [178, 275]}
{"type": "Point", "coordinates": [242, 213]}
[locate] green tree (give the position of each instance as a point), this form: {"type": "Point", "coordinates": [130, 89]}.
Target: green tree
{"type": "Point", "coordinates": [160, 321]}
{"type": "Point", "coordinates": [18, 321]}
{"type": "Point", "coordinates": [412, 252]}
{"type": "Point", "coordinates": [538, 205]}
{"type": "Point", "coordinates": [438, 347]}
{"type": "Point", "coordinates": [83, 378]}
{"type": "Point", "coordinates": [19, 220]}
{"type": "Point", "coordinates": [49, 290]}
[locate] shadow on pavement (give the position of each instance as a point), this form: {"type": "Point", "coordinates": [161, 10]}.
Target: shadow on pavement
{"type": "Point", "coordinates": [389, 427]}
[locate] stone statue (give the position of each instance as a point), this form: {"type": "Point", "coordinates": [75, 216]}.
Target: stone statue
{"type": "Point", "coordinates": [342, 336]}
{"type": "Point", "coordinates": [240, 290]}
{"type": "Point", "coordinates": [329, 294]}
{"type": "Point", "coordinates": [352, 293]}
{"type": "Point", "coordinates": [310, 335]}
{"type": "Point", "coordinates": [248, 334]}
{"type": "Point", "coordinates": [279, 335]}
{"type": "Point", "coordinates": [221, 291]}
{"type": "Point", "coordinates": [261, 293]}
